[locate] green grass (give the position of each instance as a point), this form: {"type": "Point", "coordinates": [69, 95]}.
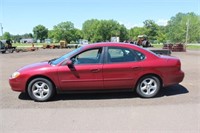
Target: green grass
{"type": "Point", "coordinates": [25, 45]}
{"type": "Point", "coordinates": [193, 47]}
{"type": "Point", "coordinates": [157, 45]}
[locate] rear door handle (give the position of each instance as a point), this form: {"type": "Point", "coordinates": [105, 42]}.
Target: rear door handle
{"type": "Point", "coordinates": [95, 70]}
{"type": "Point", "coordinates": [136, 68]}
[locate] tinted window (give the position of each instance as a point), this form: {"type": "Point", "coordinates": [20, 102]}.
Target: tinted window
{"type": "Point", "coordinates": [91, 56]}
{"type": "Point", "coordinates": [117, 54]}
{"type": "Point", "coordinates": [140, 55]}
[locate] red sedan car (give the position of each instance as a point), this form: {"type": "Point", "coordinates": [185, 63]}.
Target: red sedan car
{"type": "Point", "coordinates": [100, 66]}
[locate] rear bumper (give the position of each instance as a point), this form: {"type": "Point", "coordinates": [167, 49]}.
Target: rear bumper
{"type": "Point", "coordinates": [176, 78]}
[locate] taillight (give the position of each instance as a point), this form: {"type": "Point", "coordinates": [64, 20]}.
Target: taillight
{"type": "Point", "coordinates": [178, 64]}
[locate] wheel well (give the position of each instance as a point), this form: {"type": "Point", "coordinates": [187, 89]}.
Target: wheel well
{"type": "Point", "coordinates": [151, 74]}
{"type": "Point", "coordinates": [39, 76]}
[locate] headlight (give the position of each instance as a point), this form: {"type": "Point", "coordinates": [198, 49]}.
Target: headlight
{"type": "Point", "coordinates": [15, 75]}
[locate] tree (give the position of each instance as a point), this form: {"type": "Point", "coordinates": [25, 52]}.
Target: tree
{"type": "Point", "coordinates": [78, 34]}
{"type": "Point", "coordinates": [151, 29]}
{"type": "Point", "coordinates": [134, 32]}
{"type": "Point", "coordinates": [6, 36]}
{"type": "Point", "coordinates": [102, 30]}
{"type": "Point", "coordinates": [161, 35]}
{"type": "Point", "coordinates": [177, 27]}
{"type": "Point", "coordinates": [123, 33]}
{"type": "Point", "coordinates": [90, 30]}
{"type": "Point", "coordinates": [109, 28]}
{"type": "Point", "coordinates": [40, 32]}
{"type": "Point", "coordinates": [16, 38]}
{"type": "Point", "coordinates": [64, 31]}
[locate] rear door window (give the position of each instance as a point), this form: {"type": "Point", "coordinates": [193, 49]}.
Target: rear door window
{"type": "Point", "coordinates": [118, 54]}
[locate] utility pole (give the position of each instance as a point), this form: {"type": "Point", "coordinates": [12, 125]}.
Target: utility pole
{"type": "Point", "coordinates": [187, 29]}
{"type": "Point", "coordinates": [1, 30]}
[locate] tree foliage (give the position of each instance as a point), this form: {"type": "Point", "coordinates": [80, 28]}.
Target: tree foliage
{"type": "Point", "coordinates": [102, 30]}
{"type": "Point", "coordinates": [6, 36]}
{"type": "Point", "coordinates": [40, 32]}
{"type": "Point", "coordinates": [134, 32]}
{"type": "Point", "coordinates": [161, 35]}
{"type": "Point", "coordinates": [177, 27]}
{"type": "Point", "coordinates": [64, 31]}
{"type": "Point", "coordinates": [151, 29]}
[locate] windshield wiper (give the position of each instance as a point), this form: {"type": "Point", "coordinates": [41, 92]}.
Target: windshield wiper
{"type": "Point", "coordinates": [50, 61]}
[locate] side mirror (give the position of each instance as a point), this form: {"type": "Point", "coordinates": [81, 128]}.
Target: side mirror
{"type": "Point", "coordinates": [69, 63]}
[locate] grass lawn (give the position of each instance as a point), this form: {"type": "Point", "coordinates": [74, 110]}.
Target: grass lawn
{"type": "Point", "coordinates": [25, 45]}
{"type": "Point", "coordinates": [193, 47]}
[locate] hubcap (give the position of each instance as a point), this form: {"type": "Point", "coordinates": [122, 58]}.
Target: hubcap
{"type": "Point", "coordinates": [40, 89]}
{"type": "Point", "coordinates": [148, 86]}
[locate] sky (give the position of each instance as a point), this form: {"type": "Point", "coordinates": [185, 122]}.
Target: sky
{"type": "Point", "coordinates": [21, 16]}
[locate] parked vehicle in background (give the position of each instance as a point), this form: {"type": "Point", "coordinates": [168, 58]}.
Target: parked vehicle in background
{"type": "Point", "coordinates": [99, 67]}
{"type": "Point", "coordinates": [6, 45]}
{"type": "Point", "coordinates": [143, 41]}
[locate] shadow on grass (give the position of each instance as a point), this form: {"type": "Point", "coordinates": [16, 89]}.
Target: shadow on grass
{"type": "Point", "coordinates": [167, 91]}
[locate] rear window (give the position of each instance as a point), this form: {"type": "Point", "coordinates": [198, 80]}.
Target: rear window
{"type": "Point", "coordinates": [140, 55]}
{"type": "Point", "coordinates": [119, 54]}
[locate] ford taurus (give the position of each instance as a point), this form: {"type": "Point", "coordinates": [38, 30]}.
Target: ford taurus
{"type": "Point", "coordinates": [99, 67]}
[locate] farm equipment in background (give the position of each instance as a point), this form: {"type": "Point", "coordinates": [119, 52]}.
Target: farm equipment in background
{"type": "Point", "coordinates": [178, 47]}
{"type": "Point", "coordinates": [6, 45]}
{"type": "Point", "coordinates": [63, 44]}
{"type": "Point", "coordinates": [143, 41]}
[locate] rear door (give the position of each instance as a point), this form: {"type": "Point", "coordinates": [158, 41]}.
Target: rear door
{"type": "Point", "coordinates": [120, 69]}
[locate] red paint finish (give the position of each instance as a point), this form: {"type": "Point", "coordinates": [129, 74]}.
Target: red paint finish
{"type": "Point", "coordinates": [100, 70]}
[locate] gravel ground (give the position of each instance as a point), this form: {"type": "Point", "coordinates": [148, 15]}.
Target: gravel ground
{"type": "Point", "coordinates": [176, 109]}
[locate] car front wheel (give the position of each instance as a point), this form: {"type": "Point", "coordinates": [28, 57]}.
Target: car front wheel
{"type": "Point", "coordinates": [40, 89]}
{"type": "Point", "coordinates": [148, 86]}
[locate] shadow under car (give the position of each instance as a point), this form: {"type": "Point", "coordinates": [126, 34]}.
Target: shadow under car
{"type": "Point", "coordinates": [167, 91]}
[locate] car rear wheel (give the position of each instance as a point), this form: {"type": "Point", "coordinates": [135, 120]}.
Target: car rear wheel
{"type": "Point", "coordinates": [40, 89]}
{"type": "Point", "coordinates": [148, 86]}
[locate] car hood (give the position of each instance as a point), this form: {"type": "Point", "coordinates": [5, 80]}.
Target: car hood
{"type": "Point", "coordinates": [39, 65]}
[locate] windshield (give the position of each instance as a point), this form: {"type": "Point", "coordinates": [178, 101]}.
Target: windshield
{"type": "Point", "coordinates": [62, 58]}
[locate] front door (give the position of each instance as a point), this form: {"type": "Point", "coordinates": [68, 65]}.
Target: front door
{"type": "Point", "coordinates": [86, 72]}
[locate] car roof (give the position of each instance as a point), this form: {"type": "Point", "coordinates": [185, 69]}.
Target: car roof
{"type": "Point", "coordinates": [120, 44]}
{"type": "Point", "coordinates": [113, 44]}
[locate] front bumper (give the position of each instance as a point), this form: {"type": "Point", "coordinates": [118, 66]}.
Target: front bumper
{"type": "Point", "coordinates": [17, 84]}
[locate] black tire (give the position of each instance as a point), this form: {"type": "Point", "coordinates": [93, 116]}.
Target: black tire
{"type": "Point", "coordinates": [3, 52]}
{"type": "Point", "coordinates": [41, 89]}
{"type": "Point", "coordinates": [148, 86]}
